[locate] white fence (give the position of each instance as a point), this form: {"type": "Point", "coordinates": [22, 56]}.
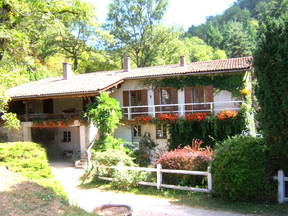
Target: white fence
{"type": "Point", "coordinates": [281, 186]}
{"type": "Point", "coordinates": [159, 171]}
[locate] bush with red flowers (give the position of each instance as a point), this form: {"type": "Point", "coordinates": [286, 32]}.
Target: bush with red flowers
{"type": "Point", "coordinates": [224, 115]}
{"type": "Point", "coordinates": [199, 116]}
{"type": "Point", "coordinates": [188, 158]}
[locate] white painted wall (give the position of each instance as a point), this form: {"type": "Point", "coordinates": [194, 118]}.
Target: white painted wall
{"type": "Point", "coordinates": [90, 132]}
{"type": "Point", "coordinates": [124, 132]}
{"type": "Point", "coordinates": [127, 86]}
{"type": "Point", "coordinates": [74, 145]}
{"type": "Point", "coordinates": [223, 96]}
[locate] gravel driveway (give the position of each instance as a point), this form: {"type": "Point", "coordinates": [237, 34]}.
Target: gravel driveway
{"type": "Point", "coordinates": [89, 199]}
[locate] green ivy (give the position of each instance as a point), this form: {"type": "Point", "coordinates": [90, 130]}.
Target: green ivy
{"type": "Point", "coordinates": [210, 130]}
{"type": "Point", "coordinates": [233, 83]}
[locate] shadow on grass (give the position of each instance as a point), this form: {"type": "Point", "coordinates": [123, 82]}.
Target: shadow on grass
{"type": "Point", "coordinates": [29, 198]}
{"type": "Point", "coordinates": [198, 200]}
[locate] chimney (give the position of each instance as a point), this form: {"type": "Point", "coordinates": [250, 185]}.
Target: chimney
{"type": "Point", "coordinates": [126, 65]}
{"type": "Point", "coordinates": [67, 71]}
{"type": "Point", "coordinates": [182, 61]}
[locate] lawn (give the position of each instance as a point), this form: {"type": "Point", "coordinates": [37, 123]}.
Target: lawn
{"type": "Point", "coordinates": [200, 200]}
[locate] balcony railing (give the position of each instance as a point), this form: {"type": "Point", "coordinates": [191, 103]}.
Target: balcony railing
{"type": "Point", "coordinates": [54, 116]}
{"type": "Point", "coordinates": [130, 112]}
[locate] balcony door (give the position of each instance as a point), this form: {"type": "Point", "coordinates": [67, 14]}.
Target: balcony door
{"type": "Point", "coordinates": [48, 106]}
{"type": "Point", "coordinates": [168, 97]}
{"type": "Point", "coordinates": [196, 96]}
{"type": "Point", "coordinates": [133, 99]}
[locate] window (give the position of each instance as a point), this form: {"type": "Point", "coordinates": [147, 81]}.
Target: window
{"type": "Point", "coordinates": [136, 130]}
{"type": "Point", "coordinates": [161, 131]}
{"type": "Point", "coordinates": [165, 96]}
{"type": "Point", "coordinates": [136, 98]}
{"type": "Point", "coordinates": [67, 136]}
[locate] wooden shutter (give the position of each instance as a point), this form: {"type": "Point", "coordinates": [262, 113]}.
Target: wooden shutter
{"type": "Point", "coordinates": [126, 98]}
{"type": "Point", "coordinates": [144, 99]}
{"type": "Point", "coordinates": [174, 99]}
{"type": "Point", "coordinates": [174, 96]}
{"type": "Point", "coordinates": [209, 94]}
{"type": "Point", "coordinates": [156, 96]}
{"type": "Point", "coordinates": [188, 98]}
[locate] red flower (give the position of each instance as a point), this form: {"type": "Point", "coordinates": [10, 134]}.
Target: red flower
{"type": "Point", "coordinates": [223, 115]}
{"type": "Point", "coordinates": [196, 116]}
{"type": "Point", "coordinates": [143, 118]}
{"type": "Point", "coordinates": [167, 117]}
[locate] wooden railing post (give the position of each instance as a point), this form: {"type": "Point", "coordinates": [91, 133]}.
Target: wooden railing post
{"type": "Point", "coordinates": [159, 176]}
{"type": "Point", "coordinates": [209, 178]}
{"type": "Point", "coordinates": [281, 186]}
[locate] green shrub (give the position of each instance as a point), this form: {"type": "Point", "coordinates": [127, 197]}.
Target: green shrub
{"type": "Point", "coordinates": [30, 160]}
{"type": "Point", "coordinates": [239, 169]}
{"type": "Point", "coordinates": [126, 179]}
{"type": "Point", "coordinates": [111, 157]}
{"type": "Point", "coordinates": [144, 153]}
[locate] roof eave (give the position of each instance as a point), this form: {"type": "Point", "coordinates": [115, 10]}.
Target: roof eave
{"type": "Point", "coordinates": [191, 73]}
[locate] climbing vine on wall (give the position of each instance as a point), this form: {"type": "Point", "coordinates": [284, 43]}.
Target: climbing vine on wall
{"type": "Point", "coordinates": [233, 83]}
{"type": "Point", "coordinates": [210, 130]}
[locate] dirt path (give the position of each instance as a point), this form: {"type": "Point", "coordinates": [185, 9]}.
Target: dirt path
{"type": "Point", "coordinates": [89, 199]}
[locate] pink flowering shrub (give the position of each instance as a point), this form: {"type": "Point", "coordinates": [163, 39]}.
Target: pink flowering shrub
{"type": "Point", "coordinates": [188, 158]}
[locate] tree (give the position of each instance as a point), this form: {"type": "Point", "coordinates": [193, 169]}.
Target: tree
{"type": "Point", "coordinates": [132, 22]}
{"type": "Point", "coordinates": [105, 113]}
{"type": "Point", "coordinates": [270, 62]}
{"type": "Point", "coordinates": [237, 42]}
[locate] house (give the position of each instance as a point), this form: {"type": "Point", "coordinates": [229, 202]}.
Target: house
{"type": "Point", "coordinates": [50, 109]}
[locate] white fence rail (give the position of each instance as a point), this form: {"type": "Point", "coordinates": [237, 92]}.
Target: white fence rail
{"type": "Point", "coordinates": [159, 173]}
{"type": "Point", "coordinates": [281, 186]}
{"type": "Point", "coordinates": [181, 109]}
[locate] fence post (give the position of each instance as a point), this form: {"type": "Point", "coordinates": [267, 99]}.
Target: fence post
{"type": "Point", "coordinates": [209, 178]}
{"type": "Point", "coordinates": [281, 186]}
{"type": "Point", "coordinates": [159, 176]}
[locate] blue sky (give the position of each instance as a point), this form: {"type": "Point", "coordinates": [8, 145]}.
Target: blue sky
{"type": "Point", "coordinates": [180, 12]}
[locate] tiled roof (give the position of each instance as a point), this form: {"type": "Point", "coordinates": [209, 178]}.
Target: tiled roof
{"type": "Point", "coordinates": [97, 81]}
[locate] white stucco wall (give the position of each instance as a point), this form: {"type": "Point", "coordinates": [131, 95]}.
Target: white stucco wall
{"type": "Point", "coordinates": [126, 86]}
{"type": "Point", "coordinates": [74, 145]}
{"type": "Point", "coordinates": [11, 135]}
{"type": "Point", "coordinates": [224, 96]}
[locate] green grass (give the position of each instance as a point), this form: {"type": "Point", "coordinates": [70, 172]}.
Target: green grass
{"type": "Point", "coordinates": [200, 200]}
{"type": "Point", "coordinates": [30, 160]}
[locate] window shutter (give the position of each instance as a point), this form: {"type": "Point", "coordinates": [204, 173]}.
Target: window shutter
{"type": "Point", "coordinates": [209, 94]}
{"type": "Point", "coordinates": [174, 96]}
{"type": "Point", "coordinates": [156, 96]}
{"type": "Point", "coordinates": [144, 99]}
{"type": "Point", "coordinates": [188, 98]}
{"type": "Point", "coordinates": [125, 98]}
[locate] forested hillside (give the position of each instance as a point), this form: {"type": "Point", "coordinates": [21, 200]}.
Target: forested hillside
{"type": "Point", "coordinates": [235, 31]}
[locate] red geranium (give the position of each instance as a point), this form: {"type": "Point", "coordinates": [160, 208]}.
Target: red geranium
{"type": "Point", "coordinates": [223, 115]}
{"type": "Point", "coordinates": [167, 117]}
{"type": "Point", "coordinates": [143, 118]}
{"type": "Point", "coordinates": [196, 116]}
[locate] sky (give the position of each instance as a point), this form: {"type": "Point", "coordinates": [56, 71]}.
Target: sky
{"type": "Point", "coordinates": [180, 12]}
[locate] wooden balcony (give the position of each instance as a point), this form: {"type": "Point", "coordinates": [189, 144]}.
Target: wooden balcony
{"type": "Point", "coordinates": [48, 116]}
{"type": "Point", "coordinates": [130, 112]}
